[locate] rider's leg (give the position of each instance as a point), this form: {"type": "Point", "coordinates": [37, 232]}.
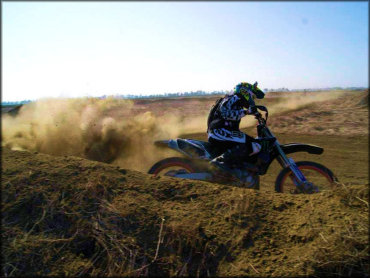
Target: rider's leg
{"type": "Point", "coordinates": [238, 147]}
{"type": "Point", "coordinates": [233, 161]}
{"type": "Point", "coordinates": [234, 156]}
{"type": "Point", "coordinates": [256, 148]}
{"type": "Point", "coordinates": [221, 146]}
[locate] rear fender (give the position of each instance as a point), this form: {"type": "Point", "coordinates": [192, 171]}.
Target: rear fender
{"type": "Point", "coordinates": [184, 146]}
{"type": "Point", "coordinates": [162, 143]}
{"type": "Point", "coordinates": [172, 144]}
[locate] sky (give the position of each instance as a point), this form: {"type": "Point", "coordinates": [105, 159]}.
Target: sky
{"type": "Point", "coordinates": [77, 49]}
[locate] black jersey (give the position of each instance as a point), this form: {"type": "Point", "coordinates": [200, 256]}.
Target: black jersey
{"type": "Point", "coordinates": [229, 112]}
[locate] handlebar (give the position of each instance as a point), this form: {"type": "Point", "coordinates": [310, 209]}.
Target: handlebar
{"type": "Point", "coordinates": [258, 115]}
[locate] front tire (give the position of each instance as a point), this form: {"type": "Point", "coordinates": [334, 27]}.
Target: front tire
{"type": "Point", "coordinates": [314, 172]}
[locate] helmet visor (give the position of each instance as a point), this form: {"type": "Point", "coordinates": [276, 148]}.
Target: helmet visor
{"type": "Point", "coordinates": [258, 93]}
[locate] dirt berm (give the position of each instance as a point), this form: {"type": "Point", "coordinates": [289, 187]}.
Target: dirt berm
{"type": "Point", "coordinates": [71, 216]}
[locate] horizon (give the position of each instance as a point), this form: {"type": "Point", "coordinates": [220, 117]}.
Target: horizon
{"type": "Point", "coordinates": [90, 49]}
{"type": "Point", "coordinates": [187, 94]}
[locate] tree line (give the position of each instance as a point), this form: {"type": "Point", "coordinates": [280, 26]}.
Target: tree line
{"type": "Point", "coordinates": [200, 93]}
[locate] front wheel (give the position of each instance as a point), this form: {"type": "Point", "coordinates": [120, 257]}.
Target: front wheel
{"type": "Point", "coordinates": [314, 172]}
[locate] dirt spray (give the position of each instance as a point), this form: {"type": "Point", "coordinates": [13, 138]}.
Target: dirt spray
{"type": "Point", "coordinates": [114, 130]}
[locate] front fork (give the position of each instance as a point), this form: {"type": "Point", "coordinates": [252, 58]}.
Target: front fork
{"type": "Point", "coordinates": [298, 179]}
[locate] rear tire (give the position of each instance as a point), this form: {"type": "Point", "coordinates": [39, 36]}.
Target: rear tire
{"type": "Point", "coordinates": [172, 162]}
{"type": "Point", "coordinates": [282, 181]}
{"type": "Point", "coordinates": [163, 167]}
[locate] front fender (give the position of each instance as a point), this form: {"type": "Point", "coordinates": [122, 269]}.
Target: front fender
{"type": "Point", "coordinates": [298, 147]}
{"type": "Point", "coordinates": [293, 148]}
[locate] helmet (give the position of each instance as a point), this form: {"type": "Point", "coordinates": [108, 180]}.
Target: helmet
{"type": "Point", "coordinates": [247, 90]}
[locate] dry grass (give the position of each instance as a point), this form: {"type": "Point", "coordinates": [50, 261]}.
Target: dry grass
{"type": "Point", "coordinates": [70, 216]}
{"type": "Point", "coordinates": [65, 215]}
{"type": "Point", "coordinates": [345, 251]}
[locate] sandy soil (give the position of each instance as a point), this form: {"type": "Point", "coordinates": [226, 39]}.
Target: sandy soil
{"type": "Point", "coordinates": [72, 216]}
{"type": "Point", "coordinates": [347, 115]}
{"type": "Point", "coordinates": [63, 214]}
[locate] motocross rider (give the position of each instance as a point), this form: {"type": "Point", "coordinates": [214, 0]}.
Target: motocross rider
{"type": "Point", "coordinates": [223, 129]}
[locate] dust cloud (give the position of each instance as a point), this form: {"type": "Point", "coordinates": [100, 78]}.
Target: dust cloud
{"type": "Point", "coordinates": [291, 102]}
{"type": "Point", "coordinates": [104, 130]}
{"type": "Point", "coordinates": [111, 130]}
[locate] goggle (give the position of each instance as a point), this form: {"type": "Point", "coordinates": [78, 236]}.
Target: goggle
{"type": "Point", "coordinates": [252, 94]}
{"type": "Point", "coordinates": [247, 93]}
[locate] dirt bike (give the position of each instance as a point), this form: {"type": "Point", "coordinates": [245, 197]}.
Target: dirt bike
{"type": "Point", "coordinates": [295, 177]}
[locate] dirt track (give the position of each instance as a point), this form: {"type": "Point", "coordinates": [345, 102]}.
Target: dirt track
{"type": "Point", "coordinates": [346, 156]}
{"type": "Point", "coordinates": [122, 132]}
{"type": "Point", "coordinates": [75, 216]}
{"type": "Point", "coordinates": [66, 215]}
{"type": "Point", "coordinates": [340, 126]}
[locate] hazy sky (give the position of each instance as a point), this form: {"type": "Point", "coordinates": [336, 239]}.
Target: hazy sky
{"type": "Point", "coordinates": [70, 49]}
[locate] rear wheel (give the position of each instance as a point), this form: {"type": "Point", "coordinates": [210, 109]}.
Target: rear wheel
{"type": "Point", "coordinates": [172, 165]}
{"type": "Point", "coordinates": [315, 173]}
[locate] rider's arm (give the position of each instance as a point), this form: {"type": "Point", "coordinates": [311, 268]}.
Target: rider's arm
{"type": "Point", "coordinates": [251, 110]}
{"type": "Point", "coordinates": [250, 105]}
{"type": "Point", "coordinates": [247, 103]}
{"type": "Point", "coordinates": [227, 111]}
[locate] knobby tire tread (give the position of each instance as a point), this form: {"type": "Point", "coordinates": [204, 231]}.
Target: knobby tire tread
{"type": "Point", "coordinates": [172, 161]}
{"type": "Point", "coordinates": [281, 177]}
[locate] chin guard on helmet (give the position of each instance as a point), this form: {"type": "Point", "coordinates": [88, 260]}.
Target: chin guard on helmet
{"type": "Point", "coordinates": [246, 89]}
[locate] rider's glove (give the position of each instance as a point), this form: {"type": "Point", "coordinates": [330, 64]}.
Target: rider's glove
{"type": "Point", "coordinates": [252, 110]}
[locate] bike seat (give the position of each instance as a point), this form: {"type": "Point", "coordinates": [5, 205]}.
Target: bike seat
{"type": "Point", "coordinates": [194, 148]}
{"type": "Point", "coordinates": [212, 150]}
